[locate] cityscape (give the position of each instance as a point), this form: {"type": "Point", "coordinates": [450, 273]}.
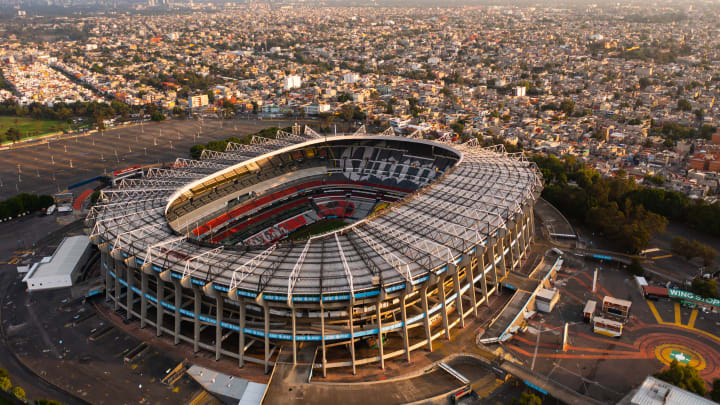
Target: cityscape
{"type": "Point", "coordinates": [264, 202]}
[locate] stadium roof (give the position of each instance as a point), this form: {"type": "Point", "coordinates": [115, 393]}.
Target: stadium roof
{"type": "Point", "coordinates": [459, 209]}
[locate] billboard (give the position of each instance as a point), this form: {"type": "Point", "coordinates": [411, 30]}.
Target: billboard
{"type": "Point", "coordinates": [687, 295]}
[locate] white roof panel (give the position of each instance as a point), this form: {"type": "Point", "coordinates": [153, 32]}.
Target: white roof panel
{"type": "Point", "coordinates": [64, 259]}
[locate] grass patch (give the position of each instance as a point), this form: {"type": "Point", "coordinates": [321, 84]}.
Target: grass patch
{"type": "Point", "coordinates": [30, 127]}
{"type": "Point", "coordinates": [318, 228]}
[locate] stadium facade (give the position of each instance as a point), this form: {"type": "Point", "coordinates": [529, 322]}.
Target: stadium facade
{"type": "Point", "coordinates": [204, 252]}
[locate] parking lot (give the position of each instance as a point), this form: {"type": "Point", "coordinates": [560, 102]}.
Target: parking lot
{"type": "Point", "coordinates": [50, 166]}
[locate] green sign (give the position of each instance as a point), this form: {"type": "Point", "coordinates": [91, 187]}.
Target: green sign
{"type": "Point", "coordinates": [687, 295]}
{"type": "Point", "coordinates": [680, 357]}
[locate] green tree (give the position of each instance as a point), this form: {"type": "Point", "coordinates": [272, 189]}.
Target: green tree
{"type": "Point", "coordinates": [636, 268]}
{"type": "Point", "coordinates": [567, 106]}
{"type": "Point", "coordinates": [682, 247]}
{"type": "Point", "coordinates": [704, 288]}
{"type": "Point", "coordinates": [692, 248]}
{"type": "Point", "coordinates": [683, 376]}
{"type": "Point", "coordinates": [157, 116]}
{"type": "Point", "coordinates": [347, 112]}
{"type": "Point", "coordinates": [5, 384]}
{"type": "Point", "coordinates": [19, 393]}
{"type": "Point", "coordinates": [699, 114]}
{"type": "Point", "coordinates": [412, 102]}
{"type": "Point", "coordinates": [458, 127]}
{"type": "Point", "coordinates": [94, 197]}
{"type": "Point", "coordinates": [13, 134]}
{"type": "Point", "coordinates": [527, 398]}
{"type": "Point", "coordinates": [684, 105]}
{"type": "Point", "coordinates": [715, 393]}
{"type": "Point", "coordinates": [389, 106]}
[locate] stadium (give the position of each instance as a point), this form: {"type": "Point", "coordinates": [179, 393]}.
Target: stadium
{"type": "Point", "coordinates": [361, 247]}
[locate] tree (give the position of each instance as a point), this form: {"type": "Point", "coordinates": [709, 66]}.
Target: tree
{"type": "Point", "coordinates": [157, 116]}
{"type": "Point", "coordinates": [636, 268]}
{"type": "Point", "coordinates": [567, 106]}
{"type": "Point", "coordinates": [699, 114]}
{"type": "Point", "coordinates": [13, 134]}
{"type": "Point", "coordinates": [346, 112]}
{"type": "Point", "coordinates": [689, 249]}
{"type": "Point", "coordinates": [683, 376]}
{"type": "Point", "coordinates": [704, 288]}
{"type": "Point", "coordinates": [527, 398]}
{"type": "Point", "coordinates": [458, 127]}
{"type": "Point", "coordinates": [5, 384]}
{"type": "Point", "coordinates": [715, 393]}
{"type": "Point", "coordinates": [389, 106]}
{"type": "Point", "coordinates": [684, 105]}
{"type": "Point", "coordinates": [412, 102]}
{"type": "Point", "coordinates": [19, 393]}
{"type": "Point", "coordinates": [94, 197]}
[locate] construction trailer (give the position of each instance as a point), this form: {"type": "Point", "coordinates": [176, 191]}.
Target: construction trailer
{"type": "Point", "coordinates": [589, 311]}
{"type": "Point", "coordinates": [607, 327]}
{"type": "Point", "coordinates": [616, 307]}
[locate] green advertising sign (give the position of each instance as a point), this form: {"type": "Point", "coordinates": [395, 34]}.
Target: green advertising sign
{"type": "Point", "coordinates": [682, 294]}
{"type": "Point", "coordinates": [680, 357]}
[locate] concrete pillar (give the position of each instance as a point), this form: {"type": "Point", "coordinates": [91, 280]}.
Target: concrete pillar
{"type": "Point", "coordinates": [483, 279]}
{"type": "Point", "coordinates": [220, 307]}
{"type": "Point", "coordinates": [503, 264]}
{"type": "Point", "coordinates": [493, 257]}
{"type": "Point", "coordinates": [458, 298]}
{"type": "Point", "coordinates": [241, 334]}
{"type": "Point", "coordinates": [470, 275]}
{"type": "Point", "coordinates": [178, 304]}
{"type": "Point", "coordinates": [427, 318]}
{"type": "Point", "coordinates": [294, 335]}
{"type": "Point", "coordinates": [266, 319]}
{"type": "Point", "coordinates": [105, 268]}
{"type": "Point", "coordinates": [380, 340]}
{"type": "Point", "coordinates": [116, 267]}
{"type": "Point", "coordinates": [406, 342]}
{"type": "Point", "coordinates": [130, 280]}
{"type": "Point", "coordinates": [159, 309]}
{"type": "Point", "coordinates": [322, 338]}
{"type": "Point", "coordinates": [197, 308]}
{"type": "Point", "coordinates": [443, 307]}
{"type": "Point", "coordinates": [511, 249]}
{"type": "Point", "coordinates": [352, 337]}
{"type": "Point", "coordinates": [143, 298]}
{"type": "Point", "coordinates": [519, 245]}
{"type": "Point", "coordinates": [522, 240]}
{"type": "Point", "coordinates": [531, 227]}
